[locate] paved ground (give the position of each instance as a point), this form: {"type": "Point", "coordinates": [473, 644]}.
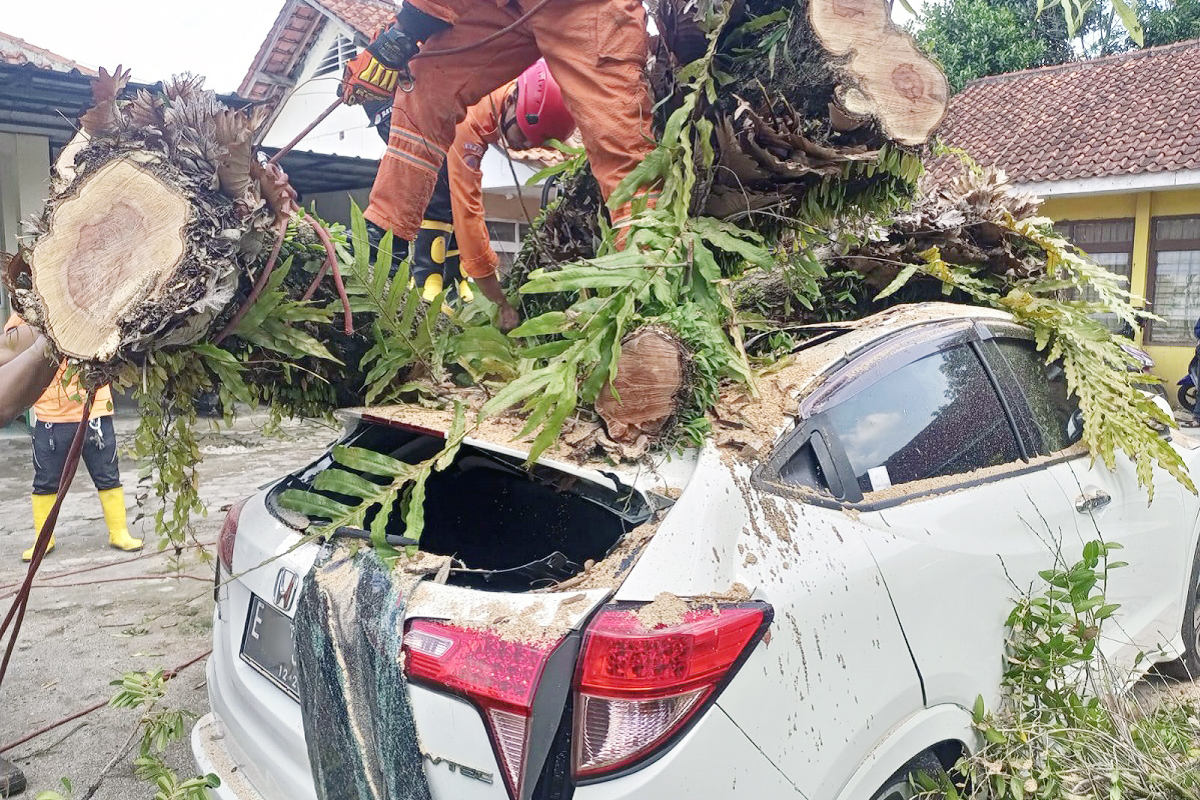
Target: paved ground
{"type": "Point", "coordinates": [124, 613]}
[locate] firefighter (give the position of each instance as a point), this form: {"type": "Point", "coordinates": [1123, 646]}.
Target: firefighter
{"type": "Point", "coordinates": [453, 236]}
{"type": "Point", "coordinates": [595, 48]}
{"type": "Point", "coordinates": [58, 412]}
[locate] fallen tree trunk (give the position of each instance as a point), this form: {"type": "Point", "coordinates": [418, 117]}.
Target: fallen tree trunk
{"type": "Point", "coordinates": [158, 231]}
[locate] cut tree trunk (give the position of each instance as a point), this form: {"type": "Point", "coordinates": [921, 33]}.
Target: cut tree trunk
{"type": "Point", "coordinates": [885, 76]}
{"type": "Point", "coordinates": [158, 224]}
{"type": "Point", "coordinates": [118, 241]}
{"type": "Point", "coordinates": [650, 387]}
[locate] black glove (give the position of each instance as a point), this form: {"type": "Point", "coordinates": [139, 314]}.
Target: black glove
{"type": "Point", "coordinates": [394, 48]}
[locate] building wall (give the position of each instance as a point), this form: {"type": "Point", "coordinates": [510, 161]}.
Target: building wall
{"type": "Point", "coordinates": [1143, 207]}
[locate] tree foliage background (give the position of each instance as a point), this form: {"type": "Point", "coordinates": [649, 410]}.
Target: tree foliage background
{"type": "Point", "coordinates": [976, 38]}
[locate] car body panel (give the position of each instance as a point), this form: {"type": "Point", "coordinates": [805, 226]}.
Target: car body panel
{"type": "Point", "coordinates": [1016, 526]}
{"type": "Point", "coordinates": [888, 613]}
{"type": "Point", "coordinates": [715, 759]}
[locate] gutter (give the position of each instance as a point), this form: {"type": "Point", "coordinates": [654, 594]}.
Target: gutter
{"type": "Point", "coordinates": [1113, 184]}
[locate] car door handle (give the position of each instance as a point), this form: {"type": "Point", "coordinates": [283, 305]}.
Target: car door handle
{"type": "Point", "coordinates": [1092, 501]}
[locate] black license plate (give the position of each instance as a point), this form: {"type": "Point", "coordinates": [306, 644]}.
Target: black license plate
{"type": "Point", "coordinates": [268, 646]}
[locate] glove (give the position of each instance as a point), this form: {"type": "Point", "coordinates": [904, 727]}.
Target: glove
{"type": "Point", "coordinates": [394, 48]}
{"type": "Point", "coordinates": [367, 80]}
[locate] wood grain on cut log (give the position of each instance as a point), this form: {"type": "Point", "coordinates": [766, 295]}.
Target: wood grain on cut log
{"type": "Point", "coordinates": [886, 76]}
{"type": "Point", "coordinates": [647, 392]}
{"type": "Point", "coordinates": [119, 240]}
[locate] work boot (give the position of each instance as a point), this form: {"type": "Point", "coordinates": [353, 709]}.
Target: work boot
{"type": "Point", "coordinates": [12, 780]}
{"type": "Point", "coordinates": [42, 503]}
{"type": "Point", "coordinates": [375, 235]}
{"type": "Point", "coordinates": [113, 503]}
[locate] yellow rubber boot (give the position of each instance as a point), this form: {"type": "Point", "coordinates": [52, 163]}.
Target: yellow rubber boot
{"type": "Point", "coordinates": [113, 503]}
{"type": "Point", "coordinates": [432, 287]}
{"type": "Point", "coordinates": [42, 503]}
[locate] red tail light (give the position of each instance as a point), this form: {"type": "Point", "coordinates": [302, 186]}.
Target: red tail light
{"type": "Point", "coordinates": [497, 675]}
{"type": "Point", "coordinates": [638, 689]}
{"type": "Point", "coordinates": [228, 536]}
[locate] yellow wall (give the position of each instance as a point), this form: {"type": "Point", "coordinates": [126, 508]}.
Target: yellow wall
{"type": "Point", "coordinates": [1170, 363]}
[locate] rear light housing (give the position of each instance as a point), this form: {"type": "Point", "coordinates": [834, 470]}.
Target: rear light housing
{"type": "Point", "coordinates": [637, 690]}
{"type": "Point", "coordinates": [228, 535]}
{"type": "Point", "coordinates": [499, 676]}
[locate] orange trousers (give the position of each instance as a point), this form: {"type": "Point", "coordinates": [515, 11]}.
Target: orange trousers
{"type": "Point", "coordinates": [597, 51]}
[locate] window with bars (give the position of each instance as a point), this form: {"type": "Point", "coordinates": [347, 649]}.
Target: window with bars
{"type": "Point", "coordinates": [1109, 242]}
{"type": "Point", "coordinates": [506, 236]}
{"type": "Point", "coordinates": [1174, 279]}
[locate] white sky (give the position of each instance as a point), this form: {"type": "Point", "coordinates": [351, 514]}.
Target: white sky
{"type": "Point", "coordinates": [155, 38]}
{"type": "Point", "coordinates": [160, 38]}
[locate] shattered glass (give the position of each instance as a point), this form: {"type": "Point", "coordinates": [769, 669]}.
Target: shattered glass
{"type": "Point", "coordinates": [358, 720]}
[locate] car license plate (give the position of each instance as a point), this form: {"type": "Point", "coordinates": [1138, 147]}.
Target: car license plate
{"type": "Point", "coordinates": [269, 647]}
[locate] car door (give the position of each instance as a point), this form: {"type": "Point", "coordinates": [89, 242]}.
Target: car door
{"type": "Point", "coordinates": [1156, 537]}
{"type": "Point", "coordinates": [921, 449]}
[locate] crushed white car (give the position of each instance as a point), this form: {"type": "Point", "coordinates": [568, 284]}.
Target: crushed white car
{"type": "Point", "coordinates": [806, 607]}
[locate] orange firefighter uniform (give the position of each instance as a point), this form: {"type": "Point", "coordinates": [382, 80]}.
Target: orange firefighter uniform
{"type": "Point", "coordinates": [596, 50]}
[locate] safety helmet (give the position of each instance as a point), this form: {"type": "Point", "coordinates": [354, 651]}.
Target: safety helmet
{"type": "Point", "coordinates": [541, 112]}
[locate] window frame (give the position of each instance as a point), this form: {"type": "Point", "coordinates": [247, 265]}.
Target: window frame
{"type": "Point", "coordinates": [857, 372]}
{"type": "Point", "coordinates": [1152, 269]}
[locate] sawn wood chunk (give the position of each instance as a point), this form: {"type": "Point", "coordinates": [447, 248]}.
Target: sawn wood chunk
{"type": "Point", "coordinates": [116, 243]}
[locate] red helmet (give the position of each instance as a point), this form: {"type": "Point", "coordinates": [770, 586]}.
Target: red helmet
{"type": "Point", "coordinates": [541, 112]}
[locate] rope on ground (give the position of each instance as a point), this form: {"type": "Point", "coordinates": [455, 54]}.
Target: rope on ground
{"type": "Point", "coordinates": [16, 612]}
{"type": "Point", "coordinates": [169, 674]}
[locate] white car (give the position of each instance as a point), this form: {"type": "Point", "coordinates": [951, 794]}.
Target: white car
{"type": "Point", "coordinates": [829, 578]}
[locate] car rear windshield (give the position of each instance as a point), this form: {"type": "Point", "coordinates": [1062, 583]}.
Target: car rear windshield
{"type": "Point", "coordinates": [507, 528]}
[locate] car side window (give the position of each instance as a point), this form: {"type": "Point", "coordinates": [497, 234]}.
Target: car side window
{"type": "Point", "coordinates": [937, 416]}
{"type": "Point", "coordinates": [1054, 410]}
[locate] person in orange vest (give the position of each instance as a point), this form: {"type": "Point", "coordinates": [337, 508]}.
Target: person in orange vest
{"type": "Point", "coordinates": [453, 237]}
{"type": "Point", "coordinates": [58, 412]}
{"type": "Point", "coordinates": [597, 50]}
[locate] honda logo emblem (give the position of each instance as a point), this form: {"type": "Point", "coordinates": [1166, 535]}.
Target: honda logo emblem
{"type": "Point", "coordinates": [285, 588]}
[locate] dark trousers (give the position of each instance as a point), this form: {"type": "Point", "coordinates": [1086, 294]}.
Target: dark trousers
{"type": "Point", "coordinates": [52, 440]}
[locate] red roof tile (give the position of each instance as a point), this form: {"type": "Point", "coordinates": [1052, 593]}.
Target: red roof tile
{"type": "Point", "coordinates": [294, 31]}
{"type": "Point", "coordinates": [1125, 114]}
{"type": "Point", "coordinates": [367, 16]}
{"type": "Point", "coordinates": [20, 52]}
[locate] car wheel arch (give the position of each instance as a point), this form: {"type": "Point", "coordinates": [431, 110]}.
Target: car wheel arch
{"type": "Point", "coordinates": [945, 731]}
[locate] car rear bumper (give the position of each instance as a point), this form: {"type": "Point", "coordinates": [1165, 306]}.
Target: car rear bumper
{"type": "Point", "coordinates": [211, 755]}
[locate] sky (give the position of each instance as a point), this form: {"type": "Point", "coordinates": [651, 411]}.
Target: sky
{"type": "Point", "coordinates": [155, 38]}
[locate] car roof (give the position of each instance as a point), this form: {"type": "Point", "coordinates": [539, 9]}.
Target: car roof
{"type": "Point", "coordinates": [742, 424]}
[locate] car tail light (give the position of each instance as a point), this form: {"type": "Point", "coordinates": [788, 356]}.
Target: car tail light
{"type": "Point", "coordinates": [499, 676]}
{"type": "Point", "coordinates": [637, 689]}
{"type": "Point", "coordinates": [228, 535]}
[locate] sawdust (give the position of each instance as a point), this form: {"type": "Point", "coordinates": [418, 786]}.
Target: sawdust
{"type": "Point", "coordinates": [956, 482]}
{"type": "Point", "coordinates": [666, 609]}
{"type": "Point", "coordinates": [522, 625]}
{"type": "Point", "coordinates": [577, 444]}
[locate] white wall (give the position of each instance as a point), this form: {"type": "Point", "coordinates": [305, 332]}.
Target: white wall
{"type": "Point", "coordinates": [347, 132]}
{"type": "Point", "coordinates": [24, 182]}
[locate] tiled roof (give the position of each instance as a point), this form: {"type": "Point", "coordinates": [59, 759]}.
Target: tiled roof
{"type": "Point", "coordinates": [1131, 113]}
{"type": "Point", "coordinates": [295, 29]}
{"type": "Point", "coordinates": [19, 52]}
{"type": "Point", "coordinates": [367, 16]}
